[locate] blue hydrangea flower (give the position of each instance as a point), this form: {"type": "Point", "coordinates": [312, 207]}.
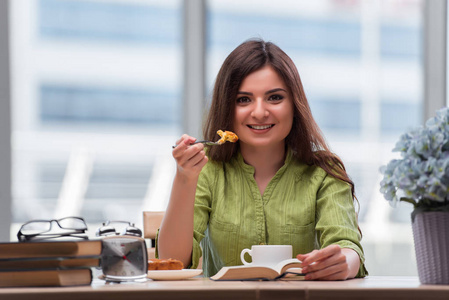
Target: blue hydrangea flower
{"type": "Point", "coordinates": [422, 174]}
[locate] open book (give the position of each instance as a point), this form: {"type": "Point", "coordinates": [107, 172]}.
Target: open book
{"type": "Point", "coordinates": [289, 269]}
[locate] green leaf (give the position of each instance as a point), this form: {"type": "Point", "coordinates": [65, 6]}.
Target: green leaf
{"type": "Point", "coordinates": [409, 200]}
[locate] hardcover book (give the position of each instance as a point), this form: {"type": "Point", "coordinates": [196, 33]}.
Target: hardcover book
{"type": "Point", "coordinates": [50, 249]}
{"type": "Point", "coordinates": [46, 263]}
{"type": "Point", "coordinates": [50, 277]}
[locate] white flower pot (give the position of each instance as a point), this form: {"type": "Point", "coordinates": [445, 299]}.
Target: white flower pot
{"type": "Point", "coordinates": [431, 239]}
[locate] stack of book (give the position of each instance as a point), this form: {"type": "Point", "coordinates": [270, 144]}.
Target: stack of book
{"type": "Point", "coordinates": [49, 263]}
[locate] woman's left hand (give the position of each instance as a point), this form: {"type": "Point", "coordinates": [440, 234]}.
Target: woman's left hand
{"type": "Point", "coordinates": [330, 263]}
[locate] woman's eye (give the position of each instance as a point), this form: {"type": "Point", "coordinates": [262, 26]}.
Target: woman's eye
{"type": "Point", "coordinates": [243, 100]}
{"type": "Point", "coordinates": [276, 97]}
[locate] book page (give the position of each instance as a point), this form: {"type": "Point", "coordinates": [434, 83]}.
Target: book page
{"type": "Point", "coordinates": [287, 264]}
{"type": "Point", "coordinates": [244, 272]}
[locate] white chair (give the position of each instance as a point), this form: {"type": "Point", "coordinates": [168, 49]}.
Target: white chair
{"type": "Point", "coordinates": [151, 222]}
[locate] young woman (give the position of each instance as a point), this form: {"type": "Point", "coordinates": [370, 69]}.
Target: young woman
{"type": "Point", "coordinates": [279, 184]}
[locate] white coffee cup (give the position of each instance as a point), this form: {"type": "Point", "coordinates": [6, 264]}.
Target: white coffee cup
{"type": "Point", "coordinates": [267, 255]}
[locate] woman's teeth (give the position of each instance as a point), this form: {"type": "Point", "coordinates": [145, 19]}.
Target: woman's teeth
{"type": "Point", "coordinates": [260, 127]}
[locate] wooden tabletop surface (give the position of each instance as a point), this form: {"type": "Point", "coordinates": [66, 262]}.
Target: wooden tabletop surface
{"type": "Point", "coordinates": [372, 287]}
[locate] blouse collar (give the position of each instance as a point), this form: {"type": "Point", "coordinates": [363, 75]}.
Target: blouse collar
{"type": "Point", "coordinates": [250, 169]}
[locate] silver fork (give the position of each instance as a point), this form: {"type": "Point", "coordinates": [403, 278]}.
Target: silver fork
{"type": "Point", "coordinates": [209, 143]}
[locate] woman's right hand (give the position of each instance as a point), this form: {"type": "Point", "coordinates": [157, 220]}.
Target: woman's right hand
{"type": "Point", "coordinates": [175, 235]}
{"type": "Point", "coordinates": [190, 159]}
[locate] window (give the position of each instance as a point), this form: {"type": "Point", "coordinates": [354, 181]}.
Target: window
{"type": "Point", "coordinates": [96, 102]}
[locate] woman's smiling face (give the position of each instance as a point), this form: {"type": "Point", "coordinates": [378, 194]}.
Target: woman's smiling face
{"type": "Point", "coordinates": [263, 109]}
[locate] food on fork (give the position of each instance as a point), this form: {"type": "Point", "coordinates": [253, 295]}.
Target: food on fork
{"type": "Point", "coordinates": [164, 264]}
{"type": "Point", "coordinates": [227, 136]}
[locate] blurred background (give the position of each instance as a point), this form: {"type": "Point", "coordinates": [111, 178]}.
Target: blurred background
{"type": "Point", "coordinates": [101, 89]}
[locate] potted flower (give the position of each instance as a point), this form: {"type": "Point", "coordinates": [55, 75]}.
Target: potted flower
{"type": "Point", "coordinates": [421, 177]}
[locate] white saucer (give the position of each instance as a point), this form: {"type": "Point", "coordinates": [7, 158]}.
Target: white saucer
{"type": "Point", "coordinates": [173, 274]}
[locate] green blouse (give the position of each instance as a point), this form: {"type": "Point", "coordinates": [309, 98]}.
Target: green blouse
{"type": "Point", "coordinates": [302, 206]}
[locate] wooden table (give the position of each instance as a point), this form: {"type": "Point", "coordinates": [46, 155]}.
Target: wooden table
{"type": "Point", "coordinates": [371, 287]}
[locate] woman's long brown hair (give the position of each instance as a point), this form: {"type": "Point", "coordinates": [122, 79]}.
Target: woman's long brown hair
{"type": "Point", "coordinates": [305, 137]}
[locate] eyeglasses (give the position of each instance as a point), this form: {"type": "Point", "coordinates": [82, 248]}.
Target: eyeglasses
{"type": "Point", "coordinates": [43, 229]}
{"type": "Point", "coordinates": [108, 229]}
